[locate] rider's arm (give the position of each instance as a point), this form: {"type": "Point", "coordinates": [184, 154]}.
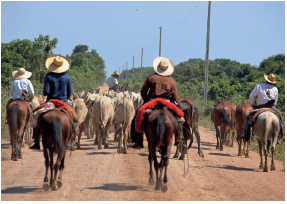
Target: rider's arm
{"type": "Point", "coordinates": [69, 88]}
{"type": "Point", "coordinates": [12, 88]}
{"type": "Point", "coordinates": [276, 97]}
{"type": "Point", "coordinates": [145, 89]}
{"type": "Point", "coordinates": [175, 93]}
{"type": "Point", "coordinates": [30, 89]}
{"type": "Point", "coordinates": [254, 93]}
{"type": "Point", "coordinates": [47, 88]}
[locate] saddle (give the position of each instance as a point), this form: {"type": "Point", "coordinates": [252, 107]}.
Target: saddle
{"type": "Point", "coordinates": [155, 104]}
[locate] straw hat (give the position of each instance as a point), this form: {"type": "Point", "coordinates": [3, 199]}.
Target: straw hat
{"type": "Point", "coordinates": [21, 74]}
{"type": "Point", "coordinates": [115, 74]}
{"type": "Point", "coordinates": [163, 66]}
{"type": "Point", "coordinates": [58, 64]}
{"type": "Point", "coordinates": [270, 78]}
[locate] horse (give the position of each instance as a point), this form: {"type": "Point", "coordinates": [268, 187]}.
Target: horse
{"type": "Point", "coordinates": [55, 128]}
{"type": "Point", "coordinates": [17, 119]}
{"type": "Point", "coordinates": [191, 122]}
{"type": "Point", "coordinates": [159, 129]}
{"type": "Point", "coordinates": [221, 116]}
{"type": "Point", "coordinates": [125, 87]}
{"type": "Point", "coordinates": [266, 129]}
{"type": "Point", "coordinates": [242, 111]}
{"type": "Point", "coordinates": [233, 125]}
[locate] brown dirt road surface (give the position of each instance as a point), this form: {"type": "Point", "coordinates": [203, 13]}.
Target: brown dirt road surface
{"type": "Point", "coordinates": [104, 175]}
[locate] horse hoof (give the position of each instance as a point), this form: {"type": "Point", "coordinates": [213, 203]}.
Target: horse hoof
{"type": "Point", "coordinates": [119, 151]}
{"type": "Point", "coordinates": [46, 186]}
{"type": "Point", "coordinates": [181, 157]}
{"type": "Point", "coordinates": [125, 152]}
{"type": "Point", "coordinates": [176, 156]}
{"type": "Point", "coordinates": [265, 169]}
{"type": "Point", "coordinates": [99, 146]}
{"type": "Point", "coordinates": [217, 147]}
{"type": "Point", "coordinates": [15, 159]}
{"type": "Point", "coordinates": [106, 146]}
{"type": "Point", "coordinates": [239, 154]}
{"type": "Point", "coordinates": [151, 182]}
{"type": "Point", "coordinates": [59, 183]}
{"type": "Point", "coordinates": [164, 187]}
{"type": "Point", "coordinates": [20, 156]}
{"type": "Point", "coordinates": [157, 187]}
{"type": "Point", "coordinates": [246, 156]}
{"type": "Point", "coordinates": [272, 168]}
{"type": "Point", "coordinates": [221, 149]}
{"type": "Point", "coordinates": [201, 154]}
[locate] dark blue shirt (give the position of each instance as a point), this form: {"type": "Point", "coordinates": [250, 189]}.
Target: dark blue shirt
{"type": "Point", "coordinates": [58, 86]}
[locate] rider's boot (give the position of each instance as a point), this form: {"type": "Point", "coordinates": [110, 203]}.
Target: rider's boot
{"type": "Point", "coordinates": [36, 137]}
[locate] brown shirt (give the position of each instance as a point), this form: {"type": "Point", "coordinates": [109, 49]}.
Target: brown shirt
{"type": "Point", "coordinates": [159, 87]}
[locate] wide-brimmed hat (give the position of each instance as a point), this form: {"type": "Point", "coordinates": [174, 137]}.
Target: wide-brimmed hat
{"type": "Point", "coordinates": [270, 78]}
{"type": "Point", "coordinates": [21, 74]}
{"type": "Point", "coordinates": [58, 64]}
{"type": "Point", "coordinates": [163, 66]}
{"type": "Point", "coordinates": [115, 74]}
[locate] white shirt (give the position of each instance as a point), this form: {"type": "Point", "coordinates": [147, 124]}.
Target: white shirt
{"type": "Point", "coordinates": [265, 92]}
{"type": "Point", "coordinates": [114, 81]}
{"type": "Point", "coordinates": [20, 85]}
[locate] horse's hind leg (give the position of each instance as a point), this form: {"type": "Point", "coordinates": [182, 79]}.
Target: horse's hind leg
{"type": "Point", "coordinates": [59, 181]}
{"type": "Point", "coordinates": [151, 179]}
{"type": "Point", "coordinates": [165, 163]}
{"type": "Point", "coordinates": [46, 184]}
{"type": "Point", "coordinates": [57, 167]}
{"type": "Point", "coordinates": [272, 167]}
{"type": "Point", "coordinates": [197, 135]}
{"type": "Point", "coordinates": [51, 152]}
{"type": "Point", "coordinates": [176, 155]}
{"type": "Point", "coordinates": [265, 169]}
{"type": "Point", "coordinates": [260, 153]}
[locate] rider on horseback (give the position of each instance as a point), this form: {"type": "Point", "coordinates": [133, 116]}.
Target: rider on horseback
{"type": "Point", "coordinates": [159, 85]}
{"type": "Point", "coordinates": [266, 93]}
{"type": "Point", "coordinates": [57, 85]}
{"type": "Point", "coordinates": [114, 85]}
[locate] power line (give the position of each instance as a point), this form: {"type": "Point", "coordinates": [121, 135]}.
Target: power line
{"type": "Point", "coordinates": [153, 42]}
{"type": "Point", "coordinates": [184, 19]}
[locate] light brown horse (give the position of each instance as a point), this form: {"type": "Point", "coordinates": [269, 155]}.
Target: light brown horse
{"type": "Point", "coordinates": [242, 111]}
{"type": "Point", "coordinates": [55, 129]}
{"type": "Point", "coordinates": [159, 129]}
{"type": "Point", "coordinates": [17, 119]}
{"type": "Point", "coordinates": [221, 116]}
{"type": "Point", "coordinates": [233, 126]}
{"type": "Point", "coordinates": [191, 122]}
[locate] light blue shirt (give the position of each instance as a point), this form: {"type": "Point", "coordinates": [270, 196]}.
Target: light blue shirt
{"type": "Point", "coordinates": [114, 81]}
{"type": "Point", "coordinates": [20, 85]}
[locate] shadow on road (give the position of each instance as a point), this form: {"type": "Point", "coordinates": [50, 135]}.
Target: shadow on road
{"type": "Point", "coordinates": [195, 147]}
{"type": "Point", "coordinates": [118, 187]}
{"type": "Point", "coordinates": [19, 189]}
{"type": "Point", "coordinates": [95, 153]}
{"type": "Point", "coordinates": [208, 144]}
{"type": "Point", "coordinates": [221, 154]}
{"type": "Point", "coordinates": [5, 146]}
{"type": "Point", "coordinates": [232, 168]}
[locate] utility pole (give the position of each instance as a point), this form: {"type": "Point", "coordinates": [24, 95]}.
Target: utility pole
{"type": "Point", "coordinates": [207, 54]}
{"type": "Point", "coordinates": [133, 66]}
{"type": "Point", "coordinates": [123, 71]}
{"type": "Point", "coordinates": [160, 42]}
{"type": "Point", "coordinates": [142, 63]}
{"type": "Point", "coordinates": [126, 70]}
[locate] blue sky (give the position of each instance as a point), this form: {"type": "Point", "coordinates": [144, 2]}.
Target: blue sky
{"type": "Point", "coordinates": [246, 31]}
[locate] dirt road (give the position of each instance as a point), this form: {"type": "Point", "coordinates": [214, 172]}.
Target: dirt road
{"type": "Point", "coordinates": [104, 175]}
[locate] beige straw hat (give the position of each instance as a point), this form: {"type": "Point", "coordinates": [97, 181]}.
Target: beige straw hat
{"type": "Point", "coordinates": [163, 66]}
{"type": "Point", "coordinates": [21, 74]}
{"type": "Point", "coordinates": [270, 78]}
{"type": "Point", "coordinates": [115, 74]}
{"type": "Point", "coordinates": [58, 64]}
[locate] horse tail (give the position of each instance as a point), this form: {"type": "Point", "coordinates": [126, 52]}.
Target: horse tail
{"type": "Point", "coordinates": [13, 117]}
{"type": "Point", "coordinates": [224, 115]}
{"type": "Point", "coordinates": [57, 128]}
{"type": "Point", "coordinates": [160, 128]}
{"type": "Point", "coordinates": [268, 124]}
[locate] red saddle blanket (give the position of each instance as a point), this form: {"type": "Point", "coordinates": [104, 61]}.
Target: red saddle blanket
{"type": "Point", "coordinates": [60, 104]}
{"type": "Point", "coordinates": [150, 105]}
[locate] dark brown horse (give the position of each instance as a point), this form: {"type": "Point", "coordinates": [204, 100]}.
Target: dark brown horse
{"type": "Point", "coordinates": [125, 87]}
{"type": "Point", "coordinates": [242, 111]}
{"type": "Point", "coordinates": [221, 116]}
{"type": "Point", "coordinates": [159, 130]}
{"type": "Point", "coordinates": [233, 124]}
{"type": "Point", "coordinates": [191, 122]}
{"type": "Point", "coordinates": [55, 129]}
{"type": "Point", "coordinates": [17, 119]}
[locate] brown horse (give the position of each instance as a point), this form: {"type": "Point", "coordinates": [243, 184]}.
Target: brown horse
{"type": "Point", "coordinates": [191, 122]}
{"type": "Point", "coordinates": [233, 126]}
{"type": "Point", "coordinates": [17, 119]}
{"type": "Point", "coordinates": [159, 129]}
{"type": "Point", "coordinates": [242, 111]}
{"type": "Point", "coordinates": [55, 129]}
{"type": "Point", "coordinates": [125, 87]}
{"type": "Point", "coordinates": [221, 116]}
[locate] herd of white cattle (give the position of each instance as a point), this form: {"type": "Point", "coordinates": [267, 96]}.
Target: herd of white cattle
{"type": "Point", "coordinates": [99, 113]}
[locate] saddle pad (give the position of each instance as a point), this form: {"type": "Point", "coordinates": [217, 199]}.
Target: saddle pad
{"type": "Point", "coordinates": [60, 104]}
{"type": "Point", "coordinates": [150, 105]}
